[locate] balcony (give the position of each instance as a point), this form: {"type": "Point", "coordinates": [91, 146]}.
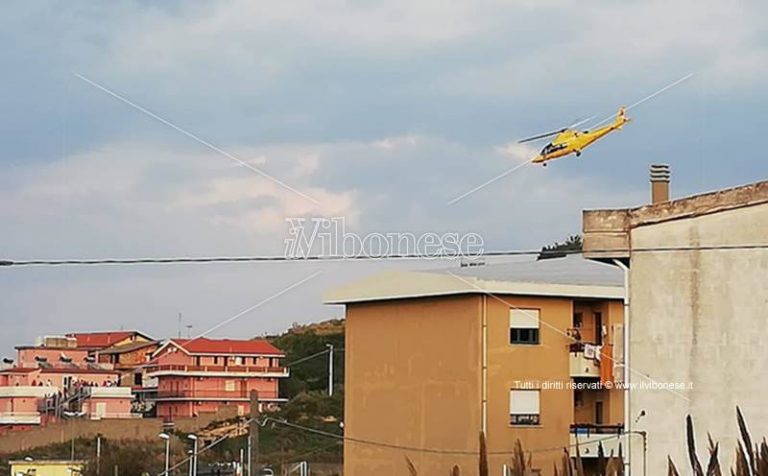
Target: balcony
{"type": "Point", "coordinates": [107, 392]}
{"type": "Point", "coordinates": [28, 391]}
{"type": "Point", "coordinates": [218, 371]}
{"type": "Point", "coordinates": [590, 436]}
{"type": "Point", "coordinates": [19, 418]}
{"type": "Point", "coordinates": [582, 363]}
{"type": "Point", "coordinates": [215, 395]}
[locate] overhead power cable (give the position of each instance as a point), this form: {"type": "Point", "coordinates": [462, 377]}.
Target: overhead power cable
{"type": "Point", "coordinates": [415, 256]}
{"type": "Point", "coordinates": [426, 449]}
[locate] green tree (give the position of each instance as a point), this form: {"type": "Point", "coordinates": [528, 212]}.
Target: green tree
{"type": "Point", "coordinates": [311, 375]}
{"type": "Point", "coordinates": [560, 249]}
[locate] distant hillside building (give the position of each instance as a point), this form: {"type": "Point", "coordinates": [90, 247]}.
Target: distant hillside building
{"type": "Point", "coordinates": [95, 341]}
{"type": "Point", "coordinates": [698, 288]}
{"type": "Point", "coordinates": [57, 375]}
{"type": "Point", "coordinates": [194, 376]}
{"type": "Point", "coordinates": [434, 358]}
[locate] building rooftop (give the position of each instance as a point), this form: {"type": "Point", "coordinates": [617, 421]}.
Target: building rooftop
{"type": "Point", "coordinates": [570, 276]}
{"type": "Point", "coordinates": [606, 232]}
{"type": "Point", "coordinates": [204, 345]}
{"type": "Point", "coordinates": [572, 269]}
{"type": "Point", "coordinates": [59, 370]}
{"type": "Point", "coordinates": [122, 349]}
{"type": "Point", "coordinates": [101, 340]}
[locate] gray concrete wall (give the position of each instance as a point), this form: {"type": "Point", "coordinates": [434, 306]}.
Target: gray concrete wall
{"type": "Point", "coordinates": [699, 317]}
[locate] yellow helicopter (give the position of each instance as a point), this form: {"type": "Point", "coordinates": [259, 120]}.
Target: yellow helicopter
{"type": "Point", "coordinates": [569, 140]}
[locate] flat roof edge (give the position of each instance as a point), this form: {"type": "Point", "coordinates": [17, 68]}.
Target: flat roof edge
{"type": "Point", "coordinates": [522, 289]}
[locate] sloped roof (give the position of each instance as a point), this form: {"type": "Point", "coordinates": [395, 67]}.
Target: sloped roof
{"type": "Point", "coordinates": [572, 269]}
{"type": "Point", "coordinates": [204, 345]}
{"type": "Point", "coordinates": [570, 276]}
{"type": "Point", "coordinates": [101, 340]}
{"type": "Point", "coordinates": [122, 349]}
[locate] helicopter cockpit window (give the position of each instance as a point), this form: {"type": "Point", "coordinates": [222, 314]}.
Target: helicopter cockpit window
{"type": "Point", "coordinates": [549, 148]}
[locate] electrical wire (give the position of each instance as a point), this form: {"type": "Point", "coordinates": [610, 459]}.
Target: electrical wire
{"type": "Point", "coordinates": [249, 259]}
{"type": "Point", "coordinates": [202, 450]}
{"type": "Point", "coordinates": [309, 357]}
{"type": "Point", "coordinates": [426, 450]}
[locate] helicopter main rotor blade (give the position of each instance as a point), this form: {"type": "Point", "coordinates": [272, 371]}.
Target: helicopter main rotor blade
{"type": "Point", "coordinates": [539, 136]}
{"type": "Point", "coordinates": [548, 134]}
{"type": "Point", "coordinates": [578, 123]}
{"type": "Point", "coordinates": [647, 98]}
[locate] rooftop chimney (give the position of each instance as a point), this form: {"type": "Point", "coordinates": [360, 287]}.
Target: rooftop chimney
{"type": "Point", "coordinates": [659, 183]}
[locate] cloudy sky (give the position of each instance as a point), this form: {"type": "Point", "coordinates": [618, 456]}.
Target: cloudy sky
{"type": "Point", "coordinates": [380, 111]}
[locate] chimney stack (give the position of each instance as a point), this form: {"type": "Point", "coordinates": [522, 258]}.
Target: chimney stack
{"type": "Point", "coordinates": [659, 183]}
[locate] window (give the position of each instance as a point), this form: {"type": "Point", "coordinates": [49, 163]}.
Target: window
{"type": "Point", "coordinates": [578, 319]}
{"type": "Point", "coordinates": [524, 407]}
{"type": "Point", "coordinates": [598, 328]}
{"type": "Point", "coordinates": [578, 398]}
{"type": "Point", "coordinates": [524, 326]}
{"type": "Point", "coordinates": [598, 412]}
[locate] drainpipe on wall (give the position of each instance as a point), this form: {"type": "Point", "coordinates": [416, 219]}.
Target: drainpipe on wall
{"type": "Point", "coordinates": [627, 371]}
{"type": "Point", "coordinates": [484, 389]}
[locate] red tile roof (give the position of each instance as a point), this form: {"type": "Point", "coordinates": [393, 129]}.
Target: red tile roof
{"type": "Point", "coordinates": [101, 340]}
{"type": "Point", "coordinates": [227, 346]}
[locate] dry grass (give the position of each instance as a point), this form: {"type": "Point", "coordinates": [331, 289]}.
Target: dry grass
{"type": "Point", "coordinates": [520, 463]}
{"type": "Point", "coordinates": [751, 460]}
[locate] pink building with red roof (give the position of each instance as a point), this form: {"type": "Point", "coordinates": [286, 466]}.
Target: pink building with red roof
{"type": "Point", "coordinates": [195, 376]}
{"type": "Point", "coordinates": [55, 376]}
{"type": "Point", "coordinates": [101, 340]}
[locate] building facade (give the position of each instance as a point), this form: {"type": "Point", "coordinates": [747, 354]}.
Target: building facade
{"type": "Point", "coordinates": [47, 467]}
{"type": "Point", "coordinates": [697, 271]}
{"type": "Point", "coordinates": [516, 351]}
{"type": "Point", "coordinates": [54, 378]}
{"type": "Point", "coordinates": [194, 376]}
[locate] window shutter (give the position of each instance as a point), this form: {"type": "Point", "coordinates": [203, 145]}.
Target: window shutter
{"type": "Point", "coordinates": [523, 402]}
{"type": "Point", "coordinates": [524, 318]}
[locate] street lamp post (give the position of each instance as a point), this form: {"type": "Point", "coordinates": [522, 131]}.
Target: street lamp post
{"type": "Point", "coordinates": [167, 438]}
{"type": "Point", "coordinates": [330, 369]}
{"type": "Point", "coordinates": [72, 415]}
{"type": "Point", "coordinates": [194, 454]}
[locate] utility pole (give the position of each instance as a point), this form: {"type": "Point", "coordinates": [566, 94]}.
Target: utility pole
{"type": "Point", "coordinates": [330, 369]}
{"type": "Point", "coordinates": [253, 435]}
{"type": "Point", "coordinates": [98, 454]}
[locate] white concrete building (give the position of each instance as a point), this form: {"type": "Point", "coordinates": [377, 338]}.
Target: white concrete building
{"type": "Point", "coordinates": [698, 315]}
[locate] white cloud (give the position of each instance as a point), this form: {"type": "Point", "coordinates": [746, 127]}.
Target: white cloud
{"type": "Point", "coordinates": [393, 143]}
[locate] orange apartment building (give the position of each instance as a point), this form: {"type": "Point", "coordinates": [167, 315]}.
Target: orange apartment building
{"type": "Point", "coordinates": [194, 376]}
{"type": "Point", "coordinates": [435, 358]}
